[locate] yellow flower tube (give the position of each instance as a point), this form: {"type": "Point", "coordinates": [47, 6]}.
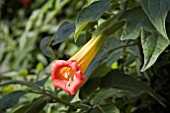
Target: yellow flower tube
{"type": "Point", "coordinates": [86, 54]}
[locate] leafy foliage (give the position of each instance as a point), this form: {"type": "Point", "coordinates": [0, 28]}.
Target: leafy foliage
{"type": "Point", "coordinates": [11, 99]}
{"type": "Point", "coordinates": [90, 14]}
{"type": "Point", "coordinates": [129, 74]}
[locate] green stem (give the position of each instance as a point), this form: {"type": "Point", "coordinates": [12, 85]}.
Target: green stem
{"type": "Point", "coordinates": [120, 47]}
{"type": "Point", "coordinates": [29, 84]}
{"type": "Point", "coordinates": [53, 97]}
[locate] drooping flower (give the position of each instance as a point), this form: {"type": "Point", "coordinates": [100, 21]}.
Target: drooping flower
{"type": "Point", "coordinates": [69, 75]}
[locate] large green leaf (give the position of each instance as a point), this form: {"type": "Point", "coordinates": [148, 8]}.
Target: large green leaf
{"type": "Point", "coordinates": [105, 109]}
{"type": "Point", "coordinates": [153, 45]}
{"type": "Point", "coordinates": [103, 94]}
{"type": "Point", "coordinates": [157, 11]}
{"type": "Point", "coordinates": [63, 32]}
{"type": "Point", "coordinates": [135, 20]}
{"type": "Point", "coordinates": [116, 79]}
{"type": "Point", "coordinates": [90, 14]}
{"type": "Point", "coordinates": [11, 99]}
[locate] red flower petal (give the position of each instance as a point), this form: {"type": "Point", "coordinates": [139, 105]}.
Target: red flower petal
{"type": "Point", "coordinates": [67, 75]}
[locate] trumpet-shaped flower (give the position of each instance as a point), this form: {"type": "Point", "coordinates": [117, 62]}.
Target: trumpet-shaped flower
{"type": "Point", "coordinates": [69, 75]}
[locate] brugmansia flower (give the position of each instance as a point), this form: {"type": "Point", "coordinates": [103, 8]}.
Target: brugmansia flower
{"type": "Point", "coordinates": [69, 75]}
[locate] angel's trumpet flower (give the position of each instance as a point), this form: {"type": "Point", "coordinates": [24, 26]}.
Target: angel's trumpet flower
{"type": "Point", "coordinates": [69, 75]}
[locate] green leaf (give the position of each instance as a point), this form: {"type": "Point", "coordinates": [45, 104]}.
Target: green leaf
{"type": "Point", "coordinates": [11, 99]}
{"type": "Point", "coordinates": [113, 57]}
{"type": "Point", "coordinates": [23, 72]}
{"type": "Point", "coordinates": [37, 106]}
{"type": "Point", "coordinates": [109, 52]}
{"type": "Point", "coordinates": [110, 26]}
{"type": "Point", "coordinates": [135, 20]}
{"type": "Point", "coordinates": [103, 94]}
{"type": "Point", "coordinates": [90, 14]}
{"type": "Point", "coordinates": [42, 82]}
{"type": "Point", "coordinates": [93, 65]}
{"type": "Point", "coordinates": [100, 71]}
{"type": "Point", "coordinates": [39, 67]}
{"type": "Point", "coordinates": [116, 79]}
{"type": "Point", "coordinates": [71, 48]}
{"type": "Point", "coordinates": [22, 109]}
{"type": "Point", "coordinates": [46, 48]}
{"type": "Point", "coordinates": [157, 11]}
{"type": "Point", "coordinates": [153, 45]}
{"type": "Point", "coordinates": [110, 109]}
{"type": "Point", "coordinates": [109, 46]}
{"type": "Point", "coordinates": [105, 109]}
{"type": "Point", "coordinates": [63, 32]}
{"type": "Point", "coordinates": [89, 88]}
